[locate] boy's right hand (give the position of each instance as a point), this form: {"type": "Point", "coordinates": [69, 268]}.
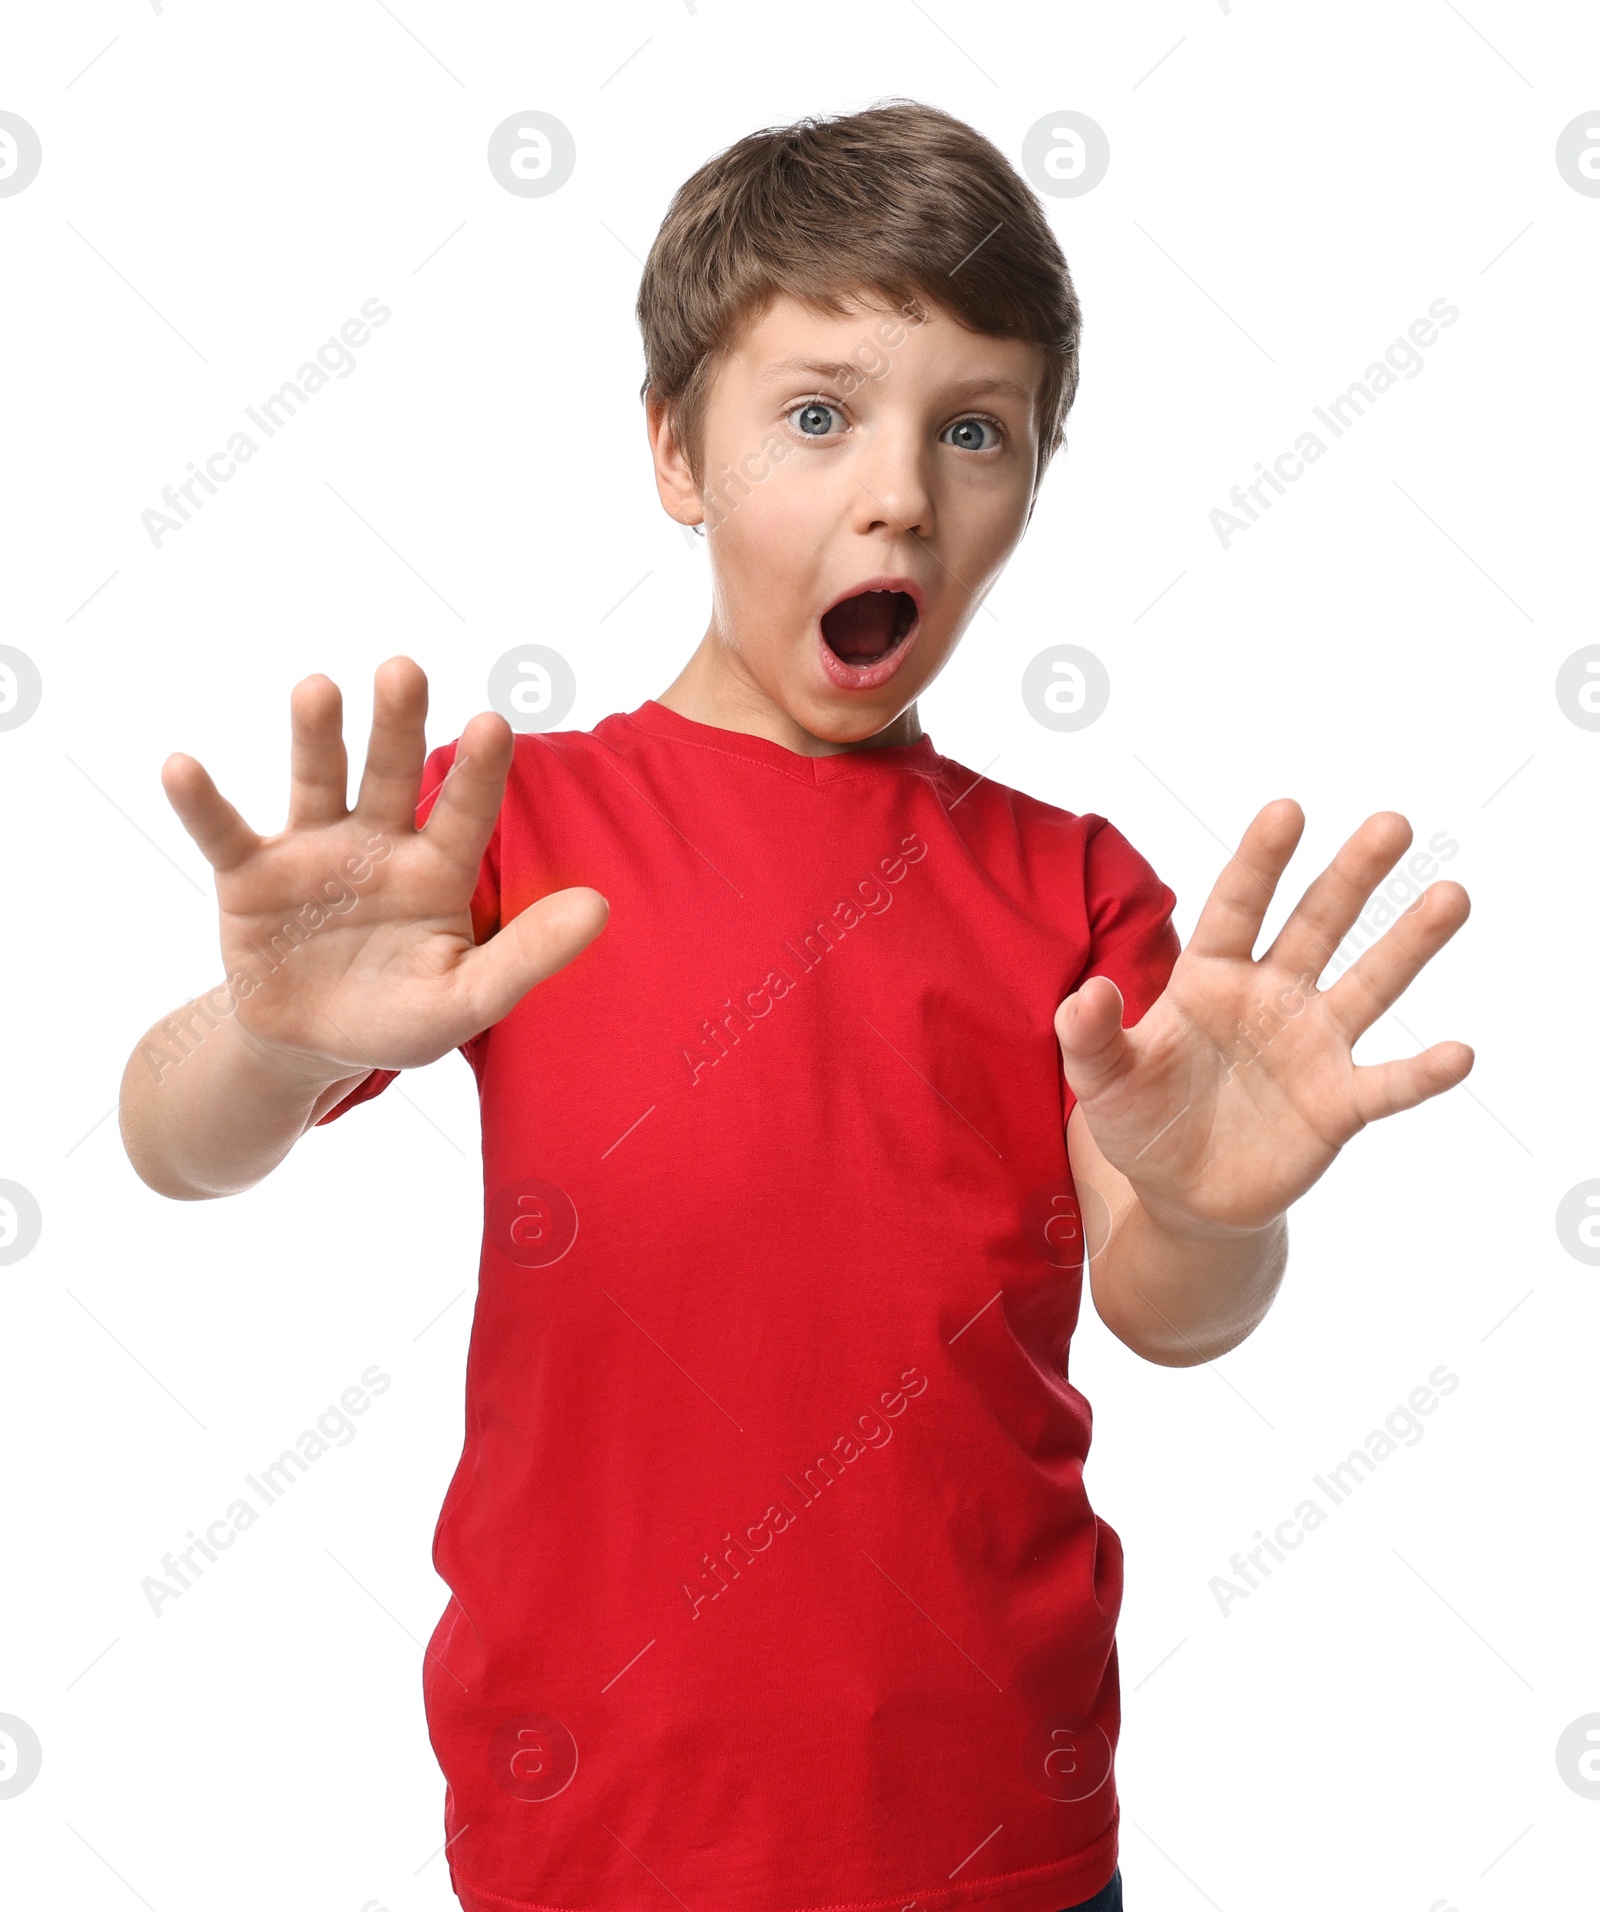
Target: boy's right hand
{"type": "Point", "coordinates": [393, 980]}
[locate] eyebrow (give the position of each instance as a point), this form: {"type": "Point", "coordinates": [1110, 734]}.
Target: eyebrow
{"type": "Point", "coordinates": [835, 370]}
{"type": "Point", "coordinates": [842, 371]}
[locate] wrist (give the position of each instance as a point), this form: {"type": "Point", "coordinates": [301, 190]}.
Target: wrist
{"type": "Point", "coordinates": [1178, 1289]}
{"type": "Point", "coordinates": [1183, 1225]}
{"type": "Point", "coordinates": [296, 1074]}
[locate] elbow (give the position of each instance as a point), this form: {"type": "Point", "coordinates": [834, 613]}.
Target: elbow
{"type": "Point", "coordinates": [1183, 1352]}
{"type": "Point", "coordinates": [147, 1161]}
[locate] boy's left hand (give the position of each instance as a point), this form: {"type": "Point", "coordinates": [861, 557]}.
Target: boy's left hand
{"type": "Point", "coordinates": [1236, 1089]}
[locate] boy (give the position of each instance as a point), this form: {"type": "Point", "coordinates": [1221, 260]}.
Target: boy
{"type": "Point", "coordinates": [774, 1583]}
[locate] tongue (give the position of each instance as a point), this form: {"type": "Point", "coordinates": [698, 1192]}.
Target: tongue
{"type": "Point", "coordinates": [863, 626]}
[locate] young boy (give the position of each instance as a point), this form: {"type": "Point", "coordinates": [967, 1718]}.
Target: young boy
{"type": "Point", "coordinates": [774, 1582]}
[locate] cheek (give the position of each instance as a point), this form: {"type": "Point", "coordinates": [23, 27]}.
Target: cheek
{"type": "Point", "coordinates": [983, 517]}
{"type": "Point", "coordinates": [776, 530]}
{"type": "Point", "coordinates": [797, 501]}
{"type": "Point", "coordinates": [764, 554]}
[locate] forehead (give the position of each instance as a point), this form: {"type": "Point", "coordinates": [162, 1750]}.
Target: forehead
{"type": "Point", "coordinates": [791, 341]}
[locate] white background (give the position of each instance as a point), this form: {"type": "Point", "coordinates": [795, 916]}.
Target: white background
{"type": "Point", "coordinates": [1289, 188]}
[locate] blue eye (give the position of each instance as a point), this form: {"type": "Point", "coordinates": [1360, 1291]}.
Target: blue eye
{"type": "Point", "coordinates": [971, 434]}
{"type": "Point", "coordinates": [812, 420]}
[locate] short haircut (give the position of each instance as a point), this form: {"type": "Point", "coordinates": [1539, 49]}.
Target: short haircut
{"type": "Point", "coordinates": [900, 203]}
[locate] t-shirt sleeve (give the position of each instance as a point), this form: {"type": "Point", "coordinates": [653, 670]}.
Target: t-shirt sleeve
{"type": "Point", "coordinates": [485, 911]}
{"type": "Point", "coordinates": [1132, 938]}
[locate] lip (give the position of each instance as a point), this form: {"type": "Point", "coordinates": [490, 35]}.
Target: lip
{"type": "Point", "coordinates": [869, 676]}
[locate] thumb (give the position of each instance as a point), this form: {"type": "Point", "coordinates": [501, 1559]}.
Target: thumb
{"type": "Point", "coordinates": [1094, 1044]}
{"type": "Point", "coordinates": [532, 946]}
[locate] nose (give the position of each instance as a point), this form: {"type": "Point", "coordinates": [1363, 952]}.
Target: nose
{"type": "Point", "coordinates": [893, 492]}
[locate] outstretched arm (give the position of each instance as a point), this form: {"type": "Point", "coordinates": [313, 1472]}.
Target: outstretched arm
{"type": "Point", "coordinates": [389, 976]}
{"type": "Point", "coordinates": [1196, 1130]}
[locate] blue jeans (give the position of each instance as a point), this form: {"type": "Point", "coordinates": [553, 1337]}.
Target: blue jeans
{"type": "Point", "coordinates": [1107, 1900]}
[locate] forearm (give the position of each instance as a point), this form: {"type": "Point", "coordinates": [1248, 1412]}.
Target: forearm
{"type": "Point", "coordinates": [204, 1112]}
{"type": "Point", "coordinates": [1179, 1297]}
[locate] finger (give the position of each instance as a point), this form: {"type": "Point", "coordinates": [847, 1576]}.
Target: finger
{"type": "Point", "coordinates": [1323, 917]}
{"type": "Point", "coordinates": [533, 945]}
{"type": "Point", "coordinates": [225, 839]}
{"type": "Point", "coordinates": [1386, 1088]}
{"type": "Point", "coordinates": [396, 748]}
{"type": "Point", "coordinates": [1386, 971]}
{"type": "Point", "coordinates": [319, 771]}
{"type": "Point", "coordinates": [1231, 920]}
{"type": "Point", "coordinates": [468, 801]}
{"type": "Point", "coordinates": [1094, 1044]}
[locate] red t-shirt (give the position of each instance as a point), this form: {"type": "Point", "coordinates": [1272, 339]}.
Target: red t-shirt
{"type": "Point", "coordinates": [774, 1581]}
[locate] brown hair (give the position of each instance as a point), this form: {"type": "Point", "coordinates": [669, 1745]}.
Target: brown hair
{"type": "Point", "coordinates": [901, 201]}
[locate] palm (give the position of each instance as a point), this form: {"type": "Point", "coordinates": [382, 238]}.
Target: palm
{"type": "Point", "coordinates": [1236, 1090]}
{"type": "Point", "coordinates": [354, 924]}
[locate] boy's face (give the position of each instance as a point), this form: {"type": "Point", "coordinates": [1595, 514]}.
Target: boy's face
{"type": "Point", "coordinates": [865, 476]}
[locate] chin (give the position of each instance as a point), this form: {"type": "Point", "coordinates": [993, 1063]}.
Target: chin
{"type": "Point", "coordinates": [847, 719]}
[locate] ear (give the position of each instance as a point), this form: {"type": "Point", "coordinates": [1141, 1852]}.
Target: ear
{"type": "Point", "coordinates": [675, 481]}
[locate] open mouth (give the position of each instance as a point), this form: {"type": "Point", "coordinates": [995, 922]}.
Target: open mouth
{"type": "Point", "coordinates": [862, 630]}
